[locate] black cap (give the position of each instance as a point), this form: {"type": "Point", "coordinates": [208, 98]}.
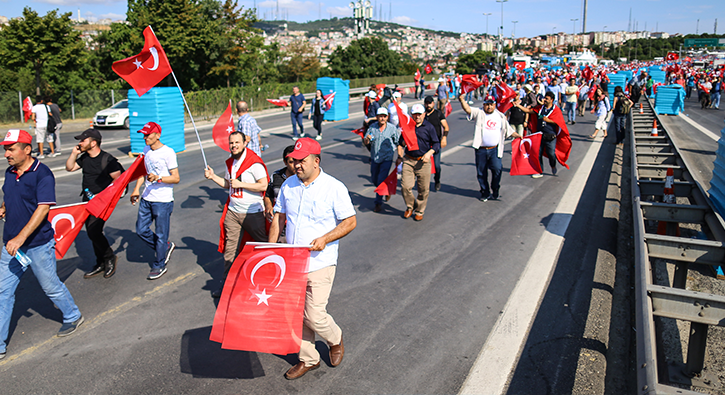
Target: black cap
{"type": "Point", "coordinates": [92, 133]}
{"type": "Point", "coordinates": [428, 100]}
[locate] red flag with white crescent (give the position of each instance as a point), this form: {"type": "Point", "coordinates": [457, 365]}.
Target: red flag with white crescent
{"type": "Point", "coordinates": [407, 124]}
{"type": "Point", "coordinates": [563, 140]}
{"type": "Point", "coordinates": [360, 132]}
{"type": "Point", "coordinates": [146, 69]}
{"type": "Point", "coordinates": [506, 96]}
{"type": "Point", "coordinates": [27, 108]}
{"type": "Point", "coordinates": [278, 102]}
{"type": "Point", "coordinates": [417, 74]}
{"type": "Point", "coordinates": [328, 101]}
{"type": "Point", "coordinates": [103, 204]}
{"type": "Point", "coordinates": [389, 186]}
{"type": "Point", "coordinates": [223, 127]}
{"type": "Point", "coordinates": [525, 155]}
{"type": "Point", "coordinates": [448, 108]}
{"type": "Point", "coordinates": [672, 56]}
{"type": "Point", "coordinates": [469, 83]}
{"type": "Point", "coordinates": [263, 300]}
{"type": "Point", "coordinates": [428, 69]}
{"type": "Point", "coordinates": [66, 221]}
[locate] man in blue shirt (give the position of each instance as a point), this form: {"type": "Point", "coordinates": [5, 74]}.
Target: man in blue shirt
{"type": "Point", "coordinates": [28, 193]}
{"type": "Point", "coordinates": [555, 88]}
{"type": "Point", "coordinates": [417, 163]}
{"type": "Point", "coordinates": [297, 101]}
{"type": "Point", "coordinates": [382, 137]}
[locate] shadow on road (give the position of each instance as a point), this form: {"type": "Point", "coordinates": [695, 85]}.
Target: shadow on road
{"type": "Point", "coordinates": [204, 358]}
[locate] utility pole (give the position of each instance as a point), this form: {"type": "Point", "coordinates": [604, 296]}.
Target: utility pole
{"type": "Point", "coordinates": [584, 17]}
{"type": "Point", "coordinates": [697, 29]}
{"type": "Point", "coordinates": [514, 32]}
{"type": "Point", "coordinates": [487, 15]}
{"type": "Point", "coordinates": [629, 26]}
{"type": "Point", "coordinates": [573, 26]}
{"type": "Point", "coordinates": [714, 31]}
{"type": "Point", "coordinates": [500, 50]}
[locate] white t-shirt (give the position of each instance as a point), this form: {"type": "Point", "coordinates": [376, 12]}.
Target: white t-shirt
{"type": "Point", "coordinates": [393, 113]}
{"type": "Point", "coordinates": [488, 127]}
{"type": "Point", "coordinates": [41, 115]}
{"type": "Point", "coordinates": [159, 162]}
{"type": "Point", "coordinates": [242, 201]}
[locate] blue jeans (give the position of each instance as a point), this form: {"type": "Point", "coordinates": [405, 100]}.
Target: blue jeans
{"type": "Point", "coordinates": [620, 123]}
{"type": "Point", "coordinates": [378, 174]}
{"type": "Point", "coordinates": [469, 96]}
{"type": "Point", "coordinates": [296, 120]}
{"type": "Point", "coordinates": [571, 111]}
{"type": "Point", "coordinates": [488, 159]}
{"type": "Point", "coordinates": [715, 99]}
{"type": "Point", "coordinates": [550, 148]}
{"type": "Point", "coordinates": [437, 164]}
{"type": "Point", "coordinates": [160, 214]}
{"type": "Point", "coordinates": [44, 269]}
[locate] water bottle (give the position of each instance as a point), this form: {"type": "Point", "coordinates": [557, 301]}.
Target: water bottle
{"type": "Point", "coordinates": [22, 258]}
{"type": "Point", "coordinates": [89, 194]}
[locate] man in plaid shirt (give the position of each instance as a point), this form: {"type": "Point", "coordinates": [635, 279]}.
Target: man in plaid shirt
{"type": "Point", "coordinates": [248, 126]}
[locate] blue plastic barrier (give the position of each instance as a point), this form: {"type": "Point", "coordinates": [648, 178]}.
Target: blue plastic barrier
{"type": "Point", "coordinates": [339, 109]}
{"type": "Point", "coordinates": [163, 105]}
{"type": "Point", "coordinates": [615, 80]}
{"type": "Point", "coordinates": [627, 73]}
{"type": "Point", "coordinates": [717, 183]}
{"type": "Point", "coordinates": [670, 99]}
{"type": "Point", "coordinates": [658, 76]}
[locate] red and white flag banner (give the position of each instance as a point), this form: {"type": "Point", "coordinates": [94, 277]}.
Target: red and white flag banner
{"type": "Point", "coordinates": [146, 69]}
{"type": "Point", "coordinates": [66, 221]}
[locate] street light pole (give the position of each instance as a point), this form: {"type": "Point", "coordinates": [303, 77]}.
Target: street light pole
{"type": "Point", "coordinates": [487, 14]}
{"type": "Point", "coordinates": [500, 50]}
{"type": "Point", "coordinates": [514, 22]}
{"type": "Point", "coordinates": [573, 23]}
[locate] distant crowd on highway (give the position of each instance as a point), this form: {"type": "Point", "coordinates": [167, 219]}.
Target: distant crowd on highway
{"type": "Point", "coordinates": [300, 203]}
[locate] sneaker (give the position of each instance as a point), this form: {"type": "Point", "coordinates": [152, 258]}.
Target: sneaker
{"type": "Point", "coordinates": [484, 197]}
{"type": "Point", "coordinates": [54, 154]}
{"type": "Point", "coordinates": [537, 175]}
{"type": "Point", "coordinates": [156, 273]}
{"type": "Point", "coordinates": [295, 138]}
{"type": "Point", "coordinates": [169, 250]}
{"type": "Point", "coordinates": [41, 156]}
{"type": "Point", "coordinates": [302, 135]}
{"type": "Point", "coordinates": [319, 137]}
{"type": "Point", "coordinates": [71, 327]}
{"type": "Point", "coordinates": [437, 186]}
{"type": "Point", "coordinates": [2, 354]}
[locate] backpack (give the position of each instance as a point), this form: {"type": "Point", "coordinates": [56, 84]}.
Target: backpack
{"type": "Point", "coordinates": [104, 163]}
{"type": "Point", "coordinates": [51, 121]}
{"type": "Point", "coordinates": [624, 105]}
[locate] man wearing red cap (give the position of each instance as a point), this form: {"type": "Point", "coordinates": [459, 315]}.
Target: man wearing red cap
{"type": "Point", "coordinates": [317, 211]}
{"type": "Point", "coordinates": [28, 237]}
{"type": "Point", "coordinates": [157, 201]}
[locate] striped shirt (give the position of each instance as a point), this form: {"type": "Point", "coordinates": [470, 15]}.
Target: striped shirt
{"type": "Point", "coordinates": [248, 126]}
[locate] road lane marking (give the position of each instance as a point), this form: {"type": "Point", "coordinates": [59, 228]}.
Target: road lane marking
{"type": "Point", "coordinates": [500, 354]}
{"type": "Point", "coordinates": [699, 127]}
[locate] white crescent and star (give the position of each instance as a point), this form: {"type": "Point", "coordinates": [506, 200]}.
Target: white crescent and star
{"type": "Point", "coordinates": [522, 148]}
{"type": "Point", "coordinates": [155, 54]}
{"type": "Point", "coordinates": [275, 259]}
{"type": "Point", "coordinates": [60, 217]}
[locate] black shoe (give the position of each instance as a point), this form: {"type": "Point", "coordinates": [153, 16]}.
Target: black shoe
{"type": "Point", "coordinates": [495, 196]}
{"type": "Point", "coordinates": [69, 328]}
{"type": "Point", "coordinates": [484, 196]}
{"type": "Point", "coordinates": [438, 186]}
{"type": "Point", "coordinates": [169, 250]}
{"type": "Point", "coordinates": [553, 170]}
{"type": "Point", "coordinates": [98, 269]}
{"type": "Point", "coordinates": [110, 268]}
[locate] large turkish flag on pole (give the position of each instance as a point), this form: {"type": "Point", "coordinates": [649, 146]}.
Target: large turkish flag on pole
{"type": "Point", "coordinates": [146, 69]}
{"type": "Point", "coordinates": [506, 96]}
{"type": "Point", "coordinates": [263, 300]}
{"type": "Point", "coordinates": [223, 127]}
{"type": "Point", "coordinates": [67, 221]}
{"type": "Point", "coordinates": [525, 155]}
{"type": "Point", "coordinates": [103, 204]}
{"type": "Point", "coordinates": [469, 83]}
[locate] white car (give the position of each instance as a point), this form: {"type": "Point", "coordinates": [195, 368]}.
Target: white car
{"type": "Point", "coordinates": [117, 115]}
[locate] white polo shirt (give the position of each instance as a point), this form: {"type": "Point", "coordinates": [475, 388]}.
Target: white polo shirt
{"type": "Point", "coordinates": [160, 162]}
{"type": "Point", "coordinates": [313, 211]}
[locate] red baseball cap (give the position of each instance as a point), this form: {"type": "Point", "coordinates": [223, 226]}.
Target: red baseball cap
{"type": "Point", "coordinates": [17, 136]}
{"type": "Point", "coordinates": [150, 127]}
{"type": "Point", "coordinates": [305, 147]}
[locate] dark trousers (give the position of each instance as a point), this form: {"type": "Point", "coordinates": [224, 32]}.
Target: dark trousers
{"type": "Point", "coordinates": [487, 159]}
{"type": "Point", "coordinates": [317, 123]}
{"type": "Point", "coordinates": [101, 247]}
{"type": "Point", "coordinates": [550, 148]}
{"type": "Point", "coordinates": [437, 165]}
{"type": "Point", "coordinates": [297, 120]}
{"type": "Point", "coordinates": [620, 122]}
{"type": "Point", "coordinates": [378, 174]}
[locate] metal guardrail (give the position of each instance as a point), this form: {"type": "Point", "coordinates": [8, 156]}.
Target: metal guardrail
{"type": "Point", "coordinates": [651, 157]}
{"type": "Point", "coordinates": [353, 92]}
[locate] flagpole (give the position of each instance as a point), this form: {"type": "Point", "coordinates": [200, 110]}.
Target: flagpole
{"type": "Point", "coordinates": [187, 109]}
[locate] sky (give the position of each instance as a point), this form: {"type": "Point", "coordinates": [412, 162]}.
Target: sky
{"type": "Point", "coordinates": [534, 17]}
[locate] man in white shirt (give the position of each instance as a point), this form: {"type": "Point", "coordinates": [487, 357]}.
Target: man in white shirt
{"type": "Point", "coordinates": [490, 131]}
{"type": "Point", "coordinates": [246, 180]}
{"type": "Point", "coordinates": [393, 112]}
{"type": "Point", "coordinates": [157, 201]}
{"type": "Point", "coordinates": [317, 211]}
{"type": "Point", "coordinates": [40, 114]}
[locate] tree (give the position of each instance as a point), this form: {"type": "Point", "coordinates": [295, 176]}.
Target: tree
{"type": "Point", "coordinates": [303, 63]}
{"type": "Point", "coordinates": [364, 58]}
{"type": "Point", "coordinates": [43, 43]}
{"type": "Point", "coordinates": [239, 43]}
{"type": "Point", "coordinates": [468, 63]}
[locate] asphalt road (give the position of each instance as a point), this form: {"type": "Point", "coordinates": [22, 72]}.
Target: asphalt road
{"type": "Point", "coordinates": [416, 301]}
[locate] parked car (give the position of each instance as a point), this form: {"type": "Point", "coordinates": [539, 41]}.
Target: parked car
{"type": "Point", "coordinates": [117, 115]}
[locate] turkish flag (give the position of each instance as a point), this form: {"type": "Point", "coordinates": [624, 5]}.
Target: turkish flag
{"type": "Point", "coordinates": [360, 132]}
{"type": "Point", "coordinates": [67, 221]}
{"type": "Point", "coordinates": [407, 124]}
{"type": "Point", "coordinates": [223, 127]}
{"type": "Point", "coordinates": [525, 155]}
{"type": "Point", "coordinates": [27, 108]}
{"type": "Point", "coordinates": [448, 108]}
{"type": "Point", "coordinates": [587, 73]}
{"type": "Point", "coordinates": [563, 141]}
{"type": "Point", "coordinates": [263, 300]}
{"type": "Point", "coordinates": [278, 102]}
{"type": "Point", "coordinates": [417, 74]}
{"type": "Point", "coordinates": [672, 56]}
{"type": "Point", "coordinates": [103, 203]}
{"type": "Point", "coordinates": [328, 100]}
{"type": "Point", "coordinates": [506, 96]}
{"type": "Point", "coordinates": [520, 65]}
{"type": "Point", "coordinates": [390, 185]}
{"type": "Point", "coordinates": [688, 59]}
{"type": "Point", "coordinates": [428, 69]}
{"type": "Point", "coordinates": [469, 83]}
{"type": "Point", "coordinates": [146, 69]}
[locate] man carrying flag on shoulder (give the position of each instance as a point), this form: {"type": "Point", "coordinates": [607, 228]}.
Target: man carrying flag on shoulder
{"type": "Point", "coordinates": [99, 170]}
{"type": "Point", "coordinates": [246, 180]}
{"type": "Point", "coordinates": [28, 193]}
{"type": "Point", "coordinates": [317, 211]}
{"type": "Point", "coordinates": [555, 140]}
{"type": "Point", "coordinates": [490, 131]}
{"type": "Point", "coordinates": [157, 202]}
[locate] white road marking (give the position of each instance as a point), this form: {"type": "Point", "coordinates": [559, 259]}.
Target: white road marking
{"type": "Point", "coordinates": [500, 354]}
{"type": "Point", "coordinates": [699, 127]}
